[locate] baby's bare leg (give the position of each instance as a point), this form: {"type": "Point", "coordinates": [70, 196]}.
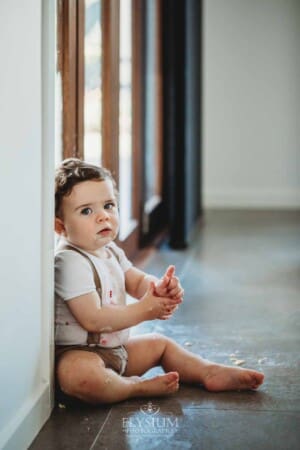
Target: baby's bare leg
{"type": "Point", "coordinates": [151, 350]}
{"type": "Point", "coordinates": [215, 377]}
{"type": "Point", "coordinates": [83, 375]}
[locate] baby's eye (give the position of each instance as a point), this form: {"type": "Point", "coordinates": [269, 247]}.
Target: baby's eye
{"type": "Point", "coordinates": [109, 205]}
{"type": "Point", "coordinates": [86, 211]}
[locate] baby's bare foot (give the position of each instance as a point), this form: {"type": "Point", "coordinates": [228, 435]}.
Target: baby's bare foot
{"type": "Point", "coordinates": [156, 386]}
{"type": "Point", "coordinates": [227, 378]}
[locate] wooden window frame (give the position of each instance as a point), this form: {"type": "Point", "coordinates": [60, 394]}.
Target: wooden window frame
{"type": "Point", "coordinates": [110, 11]}
{"type": "Point", "coordinates": [70, 28]}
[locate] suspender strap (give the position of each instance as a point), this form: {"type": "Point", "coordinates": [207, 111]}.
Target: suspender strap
{"type": "Point", "coordinates": [115, 254]}
{"type": "Point", "coordinates": [95, 273]}
{"type": "Point", "coordinates": [93, 338]}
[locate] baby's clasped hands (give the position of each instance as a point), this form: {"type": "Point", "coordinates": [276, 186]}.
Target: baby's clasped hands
{"type": "Point", "coordinates": [157, 307]}
{"type": "Point", "coordinates": [169, 285]}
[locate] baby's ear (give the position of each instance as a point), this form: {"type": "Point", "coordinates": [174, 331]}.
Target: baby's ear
{"type": "Point", "coordinates": [59, 226]}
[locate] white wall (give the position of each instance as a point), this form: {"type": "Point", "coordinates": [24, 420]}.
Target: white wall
{"type": "Point", "coordinates": [26, 234]}
{"type": "Point", "coordinates": [251, 111]}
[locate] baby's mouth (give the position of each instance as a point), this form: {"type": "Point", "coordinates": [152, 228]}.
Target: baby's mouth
{"type": "Point", "coordinates": [104, 230]}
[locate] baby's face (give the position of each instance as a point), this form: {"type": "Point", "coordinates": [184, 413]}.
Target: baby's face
{"type": "Point", "coordinates": [90, 215]}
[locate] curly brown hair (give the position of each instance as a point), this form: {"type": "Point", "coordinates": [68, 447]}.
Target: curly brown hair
{"type": "Point", "coordinates": [73, 171]}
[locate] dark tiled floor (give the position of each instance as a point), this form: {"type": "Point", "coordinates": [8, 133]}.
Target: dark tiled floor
{"type": "Point", "coordinates": [242, 281]}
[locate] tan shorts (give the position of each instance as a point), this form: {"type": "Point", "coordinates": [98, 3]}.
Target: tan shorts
{"type": "Point", "coordinates": [114, 358]}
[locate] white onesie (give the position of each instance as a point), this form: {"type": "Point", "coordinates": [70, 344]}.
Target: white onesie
{"type": "Point", "coordinates": [74, 277]}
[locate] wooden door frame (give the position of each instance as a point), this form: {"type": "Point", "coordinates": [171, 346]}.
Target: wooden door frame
{"type": "Point", "coordinates": [182, 116]}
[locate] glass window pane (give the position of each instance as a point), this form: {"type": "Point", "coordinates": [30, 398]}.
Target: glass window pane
{"type": "Point", "coordinates": [92, 82]}
{"type": "Point", "coordinates": [153, 185]}
{"type": "Point", "coordinates": [125, 118]}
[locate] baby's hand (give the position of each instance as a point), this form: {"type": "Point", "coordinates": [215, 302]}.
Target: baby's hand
{"type": "Point", "coordinates": [157, 307]}
{"type": "Point", "coordinates": [169, 285]}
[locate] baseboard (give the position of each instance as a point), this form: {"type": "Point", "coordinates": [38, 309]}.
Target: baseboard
{"type": "Point", "coordinates": [27, 422]}
{"type": "Point", "coordinates": [252, 198]}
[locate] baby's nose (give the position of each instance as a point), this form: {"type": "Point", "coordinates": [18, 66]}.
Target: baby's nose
{"type": "Point", "coordinates": [102, 215]}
